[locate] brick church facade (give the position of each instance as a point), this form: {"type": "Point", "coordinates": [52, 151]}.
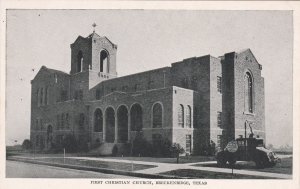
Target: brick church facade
{"type": "Point", "coordinates": [197, 102]}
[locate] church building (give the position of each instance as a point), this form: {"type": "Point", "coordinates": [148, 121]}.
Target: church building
{"type": "Point", "coordinates": [198, 102]}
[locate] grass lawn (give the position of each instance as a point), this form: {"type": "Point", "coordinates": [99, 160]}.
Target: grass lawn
{"type": "Point", "coordinates": [190, 173]}
{"type": "Point", "coordinates": [98, 164]}
{"type": "Point", "coordinates": [285, 167]}
{"type": "Point", "coordinates": [183, 159]}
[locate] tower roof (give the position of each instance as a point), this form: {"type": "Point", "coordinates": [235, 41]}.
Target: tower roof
{"type": "Point", "coordinates": [93, 34]}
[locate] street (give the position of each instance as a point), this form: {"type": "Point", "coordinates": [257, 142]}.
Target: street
{"type": "Point", "coordinates": [16, 169]}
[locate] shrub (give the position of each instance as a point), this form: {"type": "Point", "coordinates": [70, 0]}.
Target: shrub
{"type": "Point", "coordinates": [26, 145]}
{"type": "Point", "coordinates": [176, 150]}
{"type": "Point", "coordinates": [70, 143]}
{"type": "Point", "coordinates": [141, 147]}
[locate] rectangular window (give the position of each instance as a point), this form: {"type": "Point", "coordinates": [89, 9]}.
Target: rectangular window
{"type": "Point", "coordinates": [57, 122]}
{"type": "Point", "coordinates": [76, 95]}
{"type": "Point", "coordinates": [41, 124]}
{"type": "Point", "coordinates": [80, 94]}
{"type": "Point", "coordinates": [124, 88]}
{"type": "Point", "coordinates": [136, 87]}
{"type": "Point", "coordinates": [98, 94]}
{"type": "Point", "coordinates": [36, 124]}
{"type": "Point", "coordinates": [37, 140]}
{"type": "Point", "coordinates": [185, 83]}
{"type": "Point", "coordinates": [63, 95]}
{"type": "Point", "coordinates": [194, 83]}
{"type": "Point", "coordinates": [62, 121]}
{"type": "Point", "coordinates": [81, 121]}
{"type": "Point", "coordinates": [219, 139]}
{"type": "Point", "coordinates": [220, 119]}
{"type": "Point", "coordinates": [188, 147]}
{"type": "Point", "coordinates": [67, 121]}
{"type": "Point", "coordinates": [150, 84]}
{"type": "Point", "coordinates": [219, 84]}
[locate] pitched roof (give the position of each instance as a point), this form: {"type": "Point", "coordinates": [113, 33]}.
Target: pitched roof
{"type": "Point", "coordinates": [56, 71]}
{"type": "Point", "coordinates": [93, 34]}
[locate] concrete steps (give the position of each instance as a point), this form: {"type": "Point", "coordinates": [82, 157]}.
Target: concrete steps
{"type": "Point", "coordinates": [108, 149]}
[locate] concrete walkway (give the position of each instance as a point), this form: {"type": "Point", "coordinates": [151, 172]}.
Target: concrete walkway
{"type": "Point", "coordinates": [165, 167]}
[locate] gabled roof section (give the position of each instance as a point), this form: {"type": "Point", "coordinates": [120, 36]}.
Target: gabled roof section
{"type": "Point", "coordinates": [94, 34]}
{"type": "Point", "coordinates": [44, 70]}
{"type": "Point", "coordinates": [114, 45]}
{"type": "Point", "coordinates": [78, 38]}
{"type": "Point", "coordinates": [248, 50]}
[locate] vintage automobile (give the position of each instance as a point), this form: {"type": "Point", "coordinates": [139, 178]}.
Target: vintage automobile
{"type": "Point", "coordinates": [247, 149]}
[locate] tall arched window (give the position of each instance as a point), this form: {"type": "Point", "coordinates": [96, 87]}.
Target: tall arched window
{"type": "Point", "coordinates": [157, 116]}
{"type": "Point", "coordinates": [98, 121]}
{"type": "Point", "coordinates": [47, 95]}
{"type": "Point", "coordinates": [41, 96]}
{"type": "Point", "coordinates": [104, 61]}
{"type": "Point", "coordinates": [181, 116]}
{"type": "Point", "coordinates": [79, 61]}
{"type": "Point", "coordinates": [38, 97]}
{"type": "Point", "coordinates": [136, 118]}
{"type": "Point", "coordinates": [188, 117]}
{"type": "Point", "coordinates": [248, 92]}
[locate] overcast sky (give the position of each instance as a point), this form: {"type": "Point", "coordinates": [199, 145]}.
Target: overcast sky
{"type": "Point", "coordinates": [146, 40]}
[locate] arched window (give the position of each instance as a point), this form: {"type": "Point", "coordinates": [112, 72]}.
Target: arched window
{"type": "Point", "coordinates": [38, 96]}
{"type": "Point", "coordinates": [181, 116]}
{"type": "Point", "coordinates": [104, 62]}
{"type": "Point", "coordinates": [248, 92]}
{"type": "Point", "coordinates": [110, 125]}
{"type": "Point", "coordinates": [188, 117]}
{"type": "Point", "coordinates": [47, 96]}
{"type": "Point", "coordinates": [136, 117]}
{"type": "Point", "coordinates": [62, 121]}
{"type": "Point", "coordinates": [67, 121]}
{"type": "Point", "coordinates": [79, 61]}
{"type": "Point", "coordinates": [157, 116]}
{"type": "Point", "coordinates": [122, 115]}
{"type": "Point", "coordinates": [41, 96]}
{"type": "Point", "coordinates": [98, 121]}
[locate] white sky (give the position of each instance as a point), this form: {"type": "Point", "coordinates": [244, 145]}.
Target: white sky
{"type": "Point", "coordinates": [146, 40]}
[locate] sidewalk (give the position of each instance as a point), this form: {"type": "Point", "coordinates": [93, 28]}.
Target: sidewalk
{"type": "Point", "coordinates": [165, 167]}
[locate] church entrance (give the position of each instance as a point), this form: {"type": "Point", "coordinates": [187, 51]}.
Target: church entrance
{"type": "Point", "coordinates": [110, 125]}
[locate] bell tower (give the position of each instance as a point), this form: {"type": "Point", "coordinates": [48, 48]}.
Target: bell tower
{"type": "Point", "coordinates": [94, 56]}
